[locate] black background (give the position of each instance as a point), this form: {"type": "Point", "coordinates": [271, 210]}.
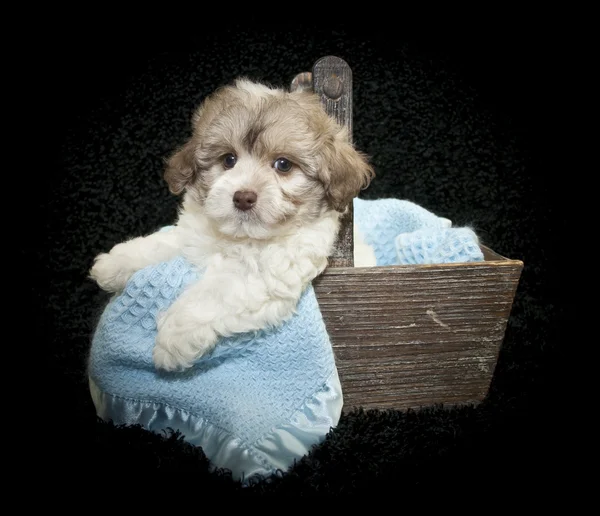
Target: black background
{"type": "Point", "coordinates": [457, 123]}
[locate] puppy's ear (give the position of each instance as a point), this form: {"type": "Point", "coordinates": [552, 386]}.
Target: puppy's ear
{"type": "Point", "coordinates": [345, 172]}
{"type": "Point", "coordinates": [181, 168]}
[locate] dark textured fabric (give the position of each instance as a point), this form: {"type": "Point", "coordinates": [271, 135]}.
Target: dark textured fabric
{"type": "Point", "coordinates": [450, 126]}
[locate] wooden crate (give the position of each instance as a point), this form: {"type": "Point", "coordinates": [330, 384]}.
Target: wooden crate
{"type": "Point", "coordinates": [412, 335]}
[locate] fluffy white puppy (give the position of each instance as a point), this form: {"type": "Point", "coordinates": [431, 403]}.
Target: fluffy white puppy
{"type": "Point", "coordinates": [266, 176]}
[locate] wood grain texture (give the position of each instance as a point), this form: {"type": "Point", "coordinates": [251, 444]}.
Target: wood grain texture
{"type": "Point", "coordinates": [409, 336]}
{"type": "Point", "coordinates": [332, 75]}
{"type": "Point", "coordinates": [332, 81]}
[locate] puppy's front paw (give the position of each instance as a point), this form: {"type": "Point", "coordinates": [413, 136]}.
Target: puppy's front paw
{"type": "Point", "coordinates": [180, 341]}
{"type": "Point", "coordinates": [111, 272]}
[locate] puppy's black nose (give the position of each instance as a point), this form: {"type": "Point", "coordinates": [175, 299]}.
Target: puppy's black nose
{"type": "Point", "coordinates": [244, 200]}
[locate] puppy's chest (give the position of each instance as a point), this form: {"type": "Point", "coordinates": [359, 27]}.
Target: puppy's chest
{"type": "Point", "coordinates": [240, 259]}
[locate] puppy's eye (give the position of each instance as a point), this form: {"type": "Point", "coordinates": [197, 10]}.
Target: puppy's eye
{"type": "Point", "coordinates": [282, 165]}
{"type": "Point", "coordinates": [229, 160]}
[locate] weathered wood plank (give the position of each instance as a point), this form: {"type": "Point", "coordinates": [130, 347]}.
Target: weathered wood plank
{"type": "Point", "coordinates": [408, 336]}
{"type": "Point", "coordinates": [489, 255]}
{"type": "Point", "coordinates": [332, 81]}
{"type": "Point", "coordinates": [327, 69]}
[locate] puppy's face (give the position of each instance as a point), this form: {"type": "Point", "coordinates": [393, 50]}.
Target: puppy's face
{"type": "Point", "coordinates": [263, 161]}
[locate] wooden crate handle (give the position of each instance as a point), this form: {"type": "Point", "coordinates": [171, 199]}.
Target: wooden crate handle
{"type": "Point", "coordinates": [331, 79]}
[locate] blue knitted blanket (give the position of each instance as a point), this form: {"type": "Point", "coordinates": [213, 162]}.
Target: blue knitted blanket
{"type": "Point", "coordinates": [259, 401]}
{"type": "Point", "coordinates": [403, 233]}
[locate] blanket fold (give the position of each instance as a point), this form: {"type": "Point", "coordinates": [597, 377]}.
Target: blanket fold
{"type": "Point", "coordinates": [259, 401]}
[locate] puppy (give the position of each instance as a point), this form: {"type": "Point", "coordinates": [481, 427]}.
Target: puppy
{"type": "Point", "coordinates": [265, 177]}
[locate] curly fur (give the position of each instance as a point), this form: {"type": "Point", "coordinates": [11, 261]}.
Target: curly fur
{"type": "Point", "coordinates": [256, 261]}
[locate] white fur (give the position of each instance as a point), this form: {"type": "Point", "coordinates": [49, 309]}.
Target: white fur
{"type": "Point", "coordinates": [256, 89]}
{"type": "Point", "coordinates": [112, 270]}
{"type": "Point", "coordinates": [248, 284]}
{"type": "Point", "coordinates": [272, 209]}
{"type": "Point", "coordinates": [255, 263]}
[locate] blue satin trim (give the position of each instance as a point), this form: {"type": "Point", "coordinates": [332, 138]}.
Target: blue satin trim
{"type": "Point", "coordinates": [277, 450]}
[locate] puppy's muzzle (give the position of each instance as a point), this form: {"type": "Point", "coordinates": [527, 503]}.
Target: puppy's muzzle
{"type": "Point", "coordinates": [244, 200]}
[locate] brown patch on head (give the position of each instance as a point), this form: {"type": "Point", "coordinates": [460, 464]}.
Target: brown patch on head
{"type": "Point", "coordinates": [181, 168]}
{"type": "Point", "coordinates": [345, 171]}
{"type": "Point", "coordinates": [269, 124]}
{"type": "Point", "coordinates": [251, 138]}
{"type": "Point", "coordinates": [342, 170]}
{"type": "Point", "coordinates": [198, 153]}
